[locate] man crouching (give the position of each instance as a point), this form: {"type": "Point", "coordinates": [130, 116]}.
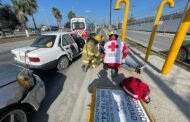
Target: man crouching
{"type": "Point", "coordinates": [91, 55]}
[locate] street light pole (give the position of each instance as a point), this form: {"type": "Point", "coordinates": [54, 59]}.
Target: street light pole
{"type": "Point", "coordinates": [132, 6]}
{"type": "Point", "coordinates": [110, 13]}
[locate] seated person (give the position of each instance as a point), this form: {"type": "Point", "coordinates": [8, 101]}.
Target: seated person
{"type": "Point", "coordinates": [49, 44]}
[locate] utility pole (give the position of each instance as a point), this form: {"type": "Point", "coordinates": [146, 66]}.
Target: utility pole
{"type": "Point", "coordinates": [110, 13]}
{"type": "Point", "coordinates": [118, 22]}
{"type": "Point", "coordinates": [132, 6]}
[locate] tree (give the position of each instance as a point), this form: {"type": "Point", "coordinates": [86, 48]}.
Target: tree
{"type": "Point", "coordinates": [67, 25]}
{"type": "Point", "coordinates": [1, 3]}
{"type": "Point", "coordinates": [71, 15]}
{"type": "Point", "coordinates": [19, 7]}
{"type": "Point", "coordinates": [31, 8]}
{"type": "Point", "coordinates": [8, 18]}
{"type": "Point", "coordinates": [57, 15]}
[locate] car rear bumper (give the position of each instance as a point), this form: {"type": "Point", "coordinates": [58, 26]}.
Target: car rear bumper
{"type": "Point", "coordinates": [36, 95]}
{"type": "Point", "coordinates": [47, 66]}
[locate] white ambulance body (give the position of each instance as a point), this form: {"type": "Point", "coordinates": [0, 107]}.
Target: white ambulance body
{"type": "Point", "coordinates": [82, 26]}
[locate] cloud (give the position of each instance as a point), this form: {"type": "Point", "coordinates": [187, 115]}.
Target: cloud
{"type": "Point", "coordinates": [87, 11]}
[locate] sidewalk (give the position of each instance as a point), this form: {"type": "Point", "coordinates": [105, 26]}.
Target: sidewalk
{"type": "Point", "coordinates": [170, 95]}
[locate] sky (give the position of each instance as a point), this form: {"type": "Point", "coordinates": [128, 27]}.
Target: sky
{"type": "Point", "coordinates": [97, 10]}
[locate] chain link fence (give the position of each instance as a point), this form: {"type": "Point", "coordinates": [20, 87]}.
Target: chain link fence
{"type": "Point", "coordinates": [169, 22]}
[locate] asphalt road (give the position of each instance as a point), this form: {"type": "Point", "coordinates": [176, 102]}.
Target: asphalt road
{"type": "Point", "coordinates": [62, 91]}
{"type": "Point", "coordinates": [161, 42]}
{"type": "Point", "coordinates": [6, 57]}
{"type": "Point", "coordinates": [5, 50]}
{"type": "Point", "coordinates": [12, 45]}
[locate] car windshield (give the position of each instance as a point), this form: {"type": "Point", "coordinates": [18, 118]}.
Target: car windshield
{"type": "Point", "coordinates": [44, 41]}
{"type": "Point", "coordinates": [78, 25]}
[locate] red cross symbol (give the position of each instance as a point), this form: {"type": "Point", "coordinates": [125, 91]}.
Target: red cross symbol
{"type": "Point", "coordinates": [113, 46]}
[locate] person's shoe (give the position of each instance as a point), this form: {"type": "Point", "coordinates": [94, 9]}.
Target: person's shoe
{"type": "Point", "coordinates": [85, 68]}
{"type": "Point", "coordinates": [138, 71]}
{"type": "Point", "coordinates": [114, 72]}
{"type": "Point", "coordinates": [105, 67]}
{"type": "Point", "coordinates": [140, 68]}
{"type": "Point", "coordinates": [134, 71]}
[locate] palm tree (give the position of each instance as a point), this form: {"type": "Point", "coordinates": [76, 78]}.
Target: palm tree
{"type": "Point", "coordinates": [8, 17]}
{"type": "Point", "coordinates": [57, 15]}
{"type": "Point", "coordinates": [71, 15]}
{"type": "Point", "coordinates": [1, 4]}
{"type": "Point", "coordinates": [31, 8]}
{"type": "Point", "coordinates": [19, 7]}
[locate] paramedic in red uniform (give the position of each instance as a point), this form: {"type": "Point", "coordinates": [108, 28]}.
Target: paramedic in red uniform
{"type": "Point", "coordinates": [115, 53]}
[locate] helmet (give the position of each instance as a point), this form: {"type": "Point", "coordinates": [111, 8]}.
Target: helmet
{"type": "Point", "coordinates": [92, 40]}
{"type": "Point", "coordinates": [97, 38]}
{"type": "Point", "coordinates": [113, 33]}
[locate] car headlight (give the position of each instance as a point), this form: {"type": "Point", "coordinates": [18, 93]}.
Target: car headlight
{"type": "Point", "coordinates": [25, 79]}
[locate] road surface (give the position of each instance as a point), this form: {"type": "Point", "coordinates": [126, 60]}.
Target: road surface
{"type": "Point", "coordinates": [161, 42]}
{"type": "Point", "coordinates": [62, 91]}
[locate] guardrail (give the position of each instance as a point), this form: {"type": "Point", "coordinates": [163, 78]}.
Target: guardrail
{"type": "Point", "coordinates": [16, 35]}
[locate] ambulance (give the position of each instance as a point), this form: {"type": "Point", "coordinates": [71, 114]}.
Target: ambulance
{"type": "Point", "coordinates": [82, 27]}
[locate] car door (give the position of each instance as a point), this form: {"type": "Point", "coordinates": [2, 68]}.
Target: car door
{"type": "Point", "coordinates": [72, 45]}
{"type": "Point", "coordinates": [79, 41]}
{"type": "Point", "coordinates": [66, 47]}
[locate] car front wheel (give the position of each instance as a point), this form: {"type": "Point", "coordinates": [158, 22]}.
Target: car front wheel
{"type": "Point", "coordinates": [14, 115]}
{"type": "Point", "coordinates": [182, 54]}
{"type": "Point", "coordinates": [63, 63]}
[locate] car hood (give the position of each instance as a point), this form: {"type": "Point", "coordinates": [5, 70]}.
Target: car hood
{"type": "Point", "coordinates": [8, 73]}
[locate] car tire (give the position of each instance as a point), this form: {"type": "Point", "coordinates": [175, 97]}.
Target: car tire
{"type": "Point", "coordinates": [182, 56]}
{"type": "Point", "coordinates": [63, 63]}
{"type": "Point", "coordinates": [19, 114]}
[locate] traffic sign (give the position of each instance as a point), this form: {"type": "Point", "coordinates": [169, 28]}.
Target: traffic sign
{"type": "Point", "coordinates": [114, 105]}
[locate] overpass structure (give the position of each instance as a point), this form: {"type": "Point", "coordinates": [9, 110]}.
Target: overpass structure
{"type": "Point", "coordinates": [168, 24]}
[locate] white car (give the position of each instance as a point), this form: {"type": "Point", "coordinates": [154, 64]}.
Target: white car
{"type": "Point", "coordinates": [50, 50]}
